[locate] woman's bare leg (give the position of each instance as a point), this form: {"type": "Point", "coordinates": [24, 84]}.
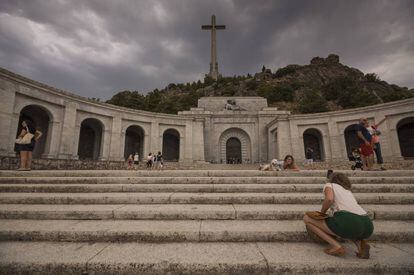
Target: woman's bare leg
{"type": "Point", "coordinates": [320, 228]}
{"type": "Point", "coordinates": [23, 159]}
{"type": "Point", "coordinates": [29, 160]}
{"type": "Point", "coordinates": [364, 162]}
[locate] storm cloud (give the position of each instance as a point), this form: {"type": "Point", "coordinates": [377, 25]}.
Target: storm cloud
{"type": "Point", "coordinates": [96, 48]}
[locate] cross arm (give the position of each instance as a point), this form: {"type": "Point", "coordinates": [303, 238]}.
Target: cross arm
{"type": "Point", "coordinates": [206, 27]}
{"type": "Point", "coordinates": [220, 27]}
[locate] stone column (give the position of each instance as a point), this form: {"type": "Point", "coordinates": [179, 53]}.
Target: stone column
{"type": "Point", "coordinates": [296, 141]}
{"type": "Point", "coordinates": [188, 143]}
{"type": "Point", "coordinates": [117, 140]}
{"type": "Point", "coordinates": [69, 138]}
{"type": "Point", "coordinates": [147, 146]}
{"type": "Point", "coordinates": [336, 145]}
{"type": "Point", "coordinates": [105, 145]}
{"type": "Point", "coordinates": [155, 137]}
{"type": "Point", "coordinates": [8, 123]}
{"type": "Point", "coordinates": [392, 140]}
{"type": "Point", "coordinates": [182, 147]}
{"type": "Point", "coordinates": [284, 144]}
{"type": "Point", "coordinates": [53, 140]}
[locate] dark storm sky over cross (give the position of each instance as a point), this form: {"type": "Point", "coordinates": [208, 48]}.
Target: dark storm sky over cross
{"type": "Point", "coordinates": [96, 48]}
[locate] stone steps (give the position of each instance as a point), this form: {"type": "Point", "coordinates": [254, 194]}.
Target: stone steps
{"type": "Point", "coordinates": [193, 198]}
{"type": "Point", "coordinates": [192, 221]}
{"type": "Point", "coordinates": [186, 211]}
{"type": "Point", "coordinates": [199, 188]}
{"type": "Point", "coordinates": [180, 231]}
{"type": "Point", "coordinates": [198, 258]}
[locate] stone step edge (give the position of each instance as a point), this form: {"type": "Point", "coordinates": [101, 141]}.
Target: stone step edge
{"type": "Point", "coordinates": [199, 188]}
{"type": "Point", "coordinates": [198, 180]}
{"type": "Point", "coordinates": [182, 231]}
{"type": "Point", "coordinates": [198, 258]}
{"type": "Point", "coordinates": [185, 212]}
{"type": "Point", "coordinates": [193, 198]}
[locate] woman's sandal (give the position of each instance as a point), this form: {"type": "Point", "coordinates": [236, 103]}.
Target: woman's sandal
{"type": "Point", "coordinates": [335, 251]}
{"type": "Point", "coordinates": [363, 252]}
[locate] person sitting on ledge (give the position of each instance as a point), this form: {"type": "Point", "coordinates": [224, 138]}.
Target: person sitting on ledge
{"type": "Point", "coordinates": [289, 163]}
{"type": "Point", "coordinates": [349, 220]}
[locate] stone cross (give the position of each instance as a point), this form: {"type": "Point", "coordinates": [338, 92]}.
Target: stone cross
{"type": "Point", "coordinates": [213, 27]}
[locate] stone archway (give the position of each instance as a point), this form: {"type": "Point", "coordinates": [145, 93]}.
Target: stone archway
{"type": "Point", "coordinates": [90, 139]}
{"type": "Point", "coordinates": [351, 138]}
{"type": "Point", "coordinates": [405, 130]}
{"type": "Point", "coordinates": [229, 139]}
{"type": "Point", "coordinates": [312, 138]}
{"type": "Point", "coordinates": [41, 118]}
{"type": "Point", "coordinates": [134, 141]}
{"type": "Point", "coordinates": [171, 145]}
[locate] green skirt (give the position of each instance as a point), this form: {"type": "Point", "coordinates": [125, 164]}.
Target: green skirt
{"type": "Point", "coordinates": [350, 226]}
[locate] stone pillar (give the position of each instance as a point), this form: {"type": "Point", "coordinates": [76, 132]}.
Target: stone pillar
{"type": "Point", "coordinates": [53, 140]}
{"type": "Point", "coordinates": [198, 141]}
{"type": "Point", "coordinates": [188, 143]}
{"type": "Point", "coordinates": [105, 145]}
{"type": "Point", "coordinates": [392, 140]}
{"type": "Point", "coordinates": [69, 138]}
{"type": "Point", "coordinates": [336, 143]}
{"type": "Point", "coordinates": [8, 123]}
{"type": "Point", "coordinates": [297, 145]}
{"type": "Point", "coordinates": [182, 151]}
{"type": "Point", "coordinates": [147, 146]}
{"type": "Point", "coordinates": [155, 137]}
{"type": "Point", "coordinates": [284, 144]}
{"type": "Point", "coordinates": [117, 140]}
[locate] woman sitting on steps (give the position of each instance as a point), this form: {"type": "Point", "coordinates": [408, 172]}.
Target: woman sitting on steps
{"type": "Point", "coordinates": [349, 221]}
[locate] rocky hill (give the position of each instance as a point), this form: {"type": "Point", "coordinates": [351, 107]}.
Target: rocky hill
{"type": "Point", "coordinates": [323, 85]}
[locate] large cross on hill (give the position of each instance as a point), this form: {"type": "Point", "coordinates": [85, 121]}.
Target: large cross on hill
{"type": "Point", "coordinates": [213, 27]}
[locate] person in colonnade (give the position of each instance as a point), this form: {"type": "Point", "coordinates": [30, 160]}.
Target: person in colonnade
{"type": "Point", "coordinates": [25, 144]}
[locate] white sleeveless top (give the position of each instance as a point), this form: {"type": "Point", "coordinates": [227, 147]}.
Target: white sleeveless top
{"type": "Point", "coordinates": [344, 200]}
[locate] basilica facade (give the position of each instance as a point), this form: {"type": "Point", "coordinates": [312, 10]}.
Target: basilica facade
{"type": "Point", "coordinates": [218, 130]}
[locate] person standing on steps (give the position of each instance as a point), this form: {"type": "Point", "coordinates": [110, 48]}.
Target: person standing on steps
{"type": "Point", "coordinates": [366, 146]}
{"type": "Point", "coordinates": [158, 160]}
{"type": "Point", "coordinates": [375, 133]}
{"type": "Point", "coordinates": [25, 144]}
{"type": "Point", "coordinates": [349, 221]}
{"type": "Point", "coordinates": [149, 161]}
{"type": "Point", "coordinates": [136, 160]}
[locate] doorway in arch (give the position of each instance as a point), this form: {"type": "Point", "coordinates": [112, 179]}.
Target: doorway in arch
{"type": "Point", "coordinates": [90, 139]}
{"type": "Point", "coordinates": [312, 138]}
{"type": "Point", "coordinates": [351, 138]}
{"type": "Point", "coordinates": [171, 145]}
{"type": "Point", "coordinates": [134, 141]}
{"type": "Point", "coordinates": [233, 151]}
{"type": "Point", "coordinates": [405, 130]}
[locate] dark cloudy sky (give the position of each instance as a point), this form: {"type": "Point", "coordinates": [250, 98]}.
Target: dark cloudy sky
{"type": "Point", "coordinates": [96, 48]}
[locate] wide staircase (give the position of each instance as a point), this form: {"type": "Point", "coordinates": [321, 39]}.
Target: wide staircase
{"type": "Point", "coordinates": [193, 222]}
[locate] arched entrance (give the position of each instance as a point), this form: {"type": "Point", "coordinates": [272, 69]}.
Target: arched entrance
{"type": "Point", "coordinates": [90, 139]}
{"type": "Point", "coordinates": [405, 130]}
{"type": "Point", "coordinates": [351, 138]}
{"type": "Point", "coordinates": [171, 145]}
{"type": "Point", "coordinates": [234, 146]}
{"type": "Point", "coordinates": [134, 141]}
{"type": "Point", "coordinates": [40, 117]}
{"type": "Point", "coordinates": [233, 151]}
{"type": "Point", "coordinates": [312, 138]}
